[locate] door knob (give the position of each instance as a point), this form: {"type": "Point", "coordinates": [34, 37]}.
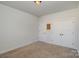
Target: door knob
{"type": "Point", "coordinates": [61, 34]}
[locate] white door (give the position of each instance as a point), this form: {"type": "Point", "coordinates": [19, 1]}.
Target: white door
{"type": "Point", "coordinates": [68, 33]}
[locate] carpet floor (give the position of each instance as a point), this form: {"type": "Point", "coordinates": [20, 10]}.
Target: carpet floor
{"type": "Point", "coordinates": [41, 50]}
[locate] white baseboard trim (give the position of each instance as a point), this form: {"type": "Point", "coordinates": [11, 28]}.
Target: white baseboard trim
{"type": "Point", "coordinates": [56, 43]}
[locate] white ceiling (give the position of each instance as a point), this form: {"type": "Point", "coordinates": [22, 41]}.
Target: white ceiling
{"type": "Point", "coordinates": [46, 7]}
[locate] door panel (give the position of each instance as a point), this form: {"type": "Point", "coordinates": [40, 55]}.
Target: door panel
{"type": "Point", "coordinates": [68, 30]}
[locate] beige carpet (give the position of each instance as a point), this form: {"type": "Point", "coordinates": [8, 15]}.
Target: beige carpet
{"type": "Point", "coordinates": [41, 50]}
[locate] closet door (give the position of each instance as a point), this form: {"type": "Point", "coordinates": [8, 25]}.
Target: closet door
{"type": "Point", "coordinates": [68, 33]}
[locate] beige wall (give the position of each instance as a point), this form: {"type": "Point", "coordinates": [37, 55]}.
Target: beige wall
{"type": "Point", "coordinates": [61, 23]}
{"type": "Point", "coordinates": [16, 28]}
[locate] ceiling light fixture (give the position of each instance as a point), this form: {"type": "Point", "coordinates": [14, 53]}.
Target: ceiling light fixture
{"type": "Point", "coordinates": [37, 2]}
